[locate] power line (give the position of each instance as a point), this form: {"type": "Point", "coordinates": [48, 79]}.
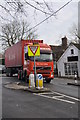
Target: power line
{"type": "Point", "coordinates": [32, 7]}
{"type": "Point", "coordinates": [7, 10]}
{"type": "Point", "coordinates": [37, 8]}
{"type": "Point", "coordinates": [50, 16]}
{"type": "Point", "coordinates": [45, 13]}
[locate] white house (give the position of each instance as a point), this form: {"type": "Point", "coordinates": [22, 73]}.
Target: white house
{"type": "Point", "coordinates": [69, 62]}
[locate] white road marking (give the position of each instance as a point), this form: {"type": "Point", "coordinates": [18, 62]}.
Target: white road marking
{"type": "Point", "coordinates": [76, 99]}
{"type": "Point", "coordinates": [63, 100]}
{"type": "Point", "coordinates": [55, 98]}
{"type": "Point", "coordinates": [46, 93]}
{"type": "Point", "coordinates": [58, 96]}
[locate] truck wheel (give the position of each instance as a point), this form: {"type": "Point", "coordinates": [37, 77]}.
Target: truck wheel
{"type": "Point", "coordinates": [10, 74]}
{"type": "Point", "coordinates": [7, 75]}
{"type": "Point", "coordinates": [19, 75]}
{"type": "Point", "coordinates": [27, 78]}
{"type": "Point", "coordinates": [48, 80]}
{"type": "Point", "coordinates": [24, 75]}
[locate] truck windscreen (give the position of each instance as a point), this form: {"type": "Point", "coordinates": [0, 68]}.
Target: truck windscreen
{"type": "Point", "coordinates": [43, 57]}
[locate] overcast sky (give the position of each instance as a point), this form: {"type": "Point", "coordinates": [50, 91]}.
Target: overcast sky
{"type": "Point", "coordinates": [57, 27]}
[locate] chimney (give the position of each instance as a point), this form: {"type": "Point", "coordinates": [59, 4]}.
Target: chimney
{"type": "Point", "coordinates": [64, 42]}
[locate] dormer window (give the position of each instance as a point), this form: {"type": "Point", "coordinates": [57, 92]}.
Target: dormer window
{"type": "Point", "coordinates": [72, 51]}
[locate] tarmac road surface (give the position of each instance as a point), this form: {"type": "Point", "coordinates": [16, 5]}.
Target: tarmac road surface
{"type": "Point", "coordinates": [61, 102]}
{"type": "Point", "coordinates": [0, 97]}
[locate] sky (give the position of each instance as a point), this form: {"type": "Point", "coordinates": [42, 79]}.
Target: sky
{"type": "Point", "coordinates": [55, 28]}
{"type": "Point", "coordinates": [52, 30]}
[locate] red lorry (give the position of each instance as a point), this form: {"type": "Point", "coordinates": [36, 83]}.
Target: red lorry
{"type": "Point", "coordinates": [18, 61]}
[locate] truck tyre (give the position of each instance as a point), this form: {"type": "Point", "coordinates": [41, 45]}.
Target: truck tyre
{"type": "Point", "coordinates": [48, 80]}
{"type": "Point", "coordinates": [27, 78]}
{"type": "Point", "coordinates": [7, 75]}
{"type": "Point", "coordinates": [10, 74]}
{"type": "Point", "coordinates": [24, 75]}
{"type": "Point", "coordinates": [19, 75]}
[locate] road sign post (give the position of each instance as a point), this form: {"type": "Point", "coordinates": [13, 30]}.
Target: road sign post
{"type": "Point", "coordinates": [34, 50]}
{"type": "Point", "coordinates": [34, 71]}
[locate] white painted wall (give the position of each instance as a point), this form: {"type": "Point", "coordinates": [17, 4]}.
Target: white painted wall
{"type": "Point", "coordinates": [63, 59]}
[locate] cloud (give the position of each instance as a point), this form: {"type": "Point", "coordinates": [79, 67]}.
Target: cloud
{"type": "Point", "coordinates": [59, 27]}
{"type": "Point", "coordinates": [52, 30]}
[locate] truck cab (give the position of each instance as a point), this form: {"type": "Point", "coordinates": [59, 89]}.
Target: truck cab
{"type": "Point", "coordinates": [44, 62]}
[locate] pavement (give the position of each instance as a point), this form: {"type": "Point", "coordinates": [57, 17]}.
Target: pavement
{"type": "Point", "coordinates": [23, 86]}
{"type": "Point", "coordinates": [75, 83]}
{"type": "Point", "coordinates": [70, 81]}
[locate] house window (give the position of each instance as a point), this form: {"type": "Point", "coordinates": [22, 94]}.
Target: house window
{"type": "Point", "coordinates": [72, 58]}
{"type": "Point", "coordinates": [70, 68]}
{"type": "Point", "coordinates": [72, 51]}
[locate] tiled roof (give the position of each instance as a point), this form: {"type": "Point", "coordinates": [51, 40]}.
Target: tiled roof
{"type": "Point", "coordinates": [58, 51]}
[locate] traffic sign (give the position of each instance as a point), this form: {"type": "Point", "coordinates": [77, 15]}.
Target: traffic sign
{"type": "Point", "coordinates": [33, 50]}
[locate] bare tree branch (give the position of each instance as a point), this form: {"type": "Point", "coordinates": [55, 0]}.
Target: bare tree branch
{"type": "Point", "coordinates": [14, 32]}
{"type": "Point", "coordinates": [37, 8]}
{"type": "Point", "coordinates": [75, 33]}
{"type": "Point", "coordinates": [7, 10]}
{"type": "Point", "coordinates": [15, 7]}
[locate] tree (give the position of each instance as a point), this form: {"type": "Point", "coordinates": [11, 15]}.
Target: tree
{"type": "Point", "coordinates": [18, 7]}
{"type": "Point", "coordinates": [12, 9]}
{"type": "Point", "coordinates": [15, 31]}
{"type": "Point", "coordinates": [12, 30]}
{"type": "Point", "coordinates": [75, 33]}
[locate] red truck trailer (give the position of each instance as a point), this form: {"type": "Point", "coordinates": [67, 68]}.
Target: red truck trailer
{"type": "Point", "coordinates": [18, 61]}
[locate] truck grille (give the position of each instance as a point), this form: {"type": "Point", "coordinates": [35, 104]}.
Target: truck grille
{"type": "Point", "coordinates": [43, 68]}
{"type": "Point", "coordinates": [47, 73]}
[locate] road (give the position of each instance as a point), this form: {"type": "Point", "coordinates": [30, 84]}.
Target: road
{"type": "Point", "coordinates": [0, 97]}
{"type": "Point", "coordinates": [62, 102]}
{"type": "Point", "coordinates": [60, 85]}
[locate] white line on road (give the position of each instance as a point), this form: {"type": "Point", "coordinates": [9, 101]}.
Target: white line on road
{"type": "Point", "coordinates": [63, 100]}
{"type": "Point", "coordinates": [46, 93]}
{"type": "Point", "coordinates": [67, 96]}
{"type": "Point", "coordinates": [76, 99]}
{"type": "Point", "coordinates": [59, 96]}
{"type": "Point", "coordinates": [54, 98]}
